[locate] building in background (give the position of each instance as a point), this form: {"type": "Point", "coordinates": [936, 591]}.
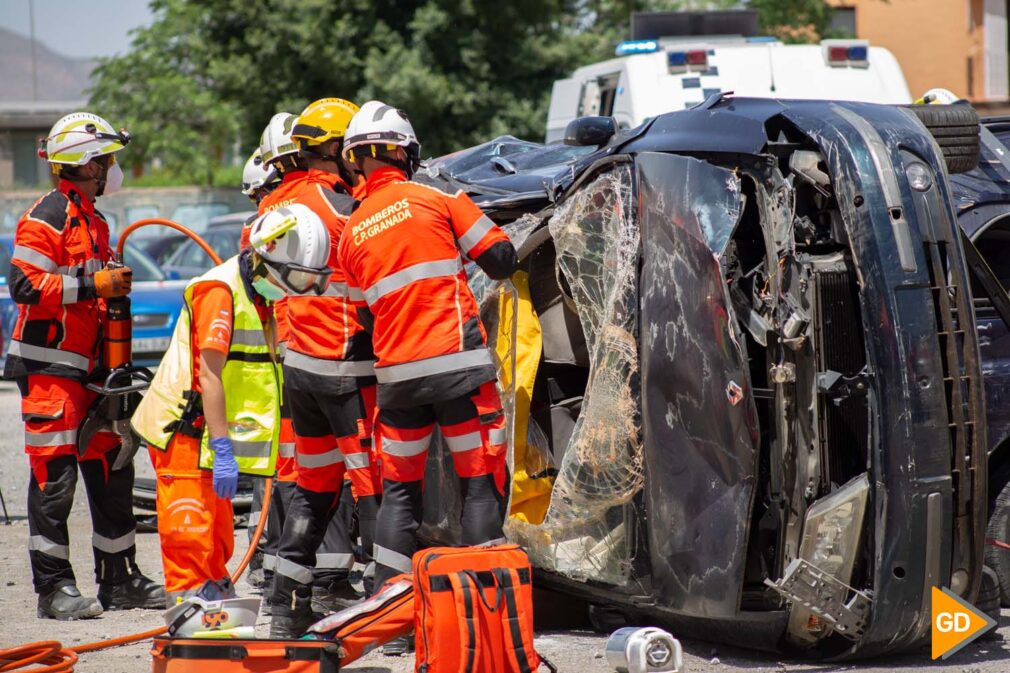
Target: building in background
{"type": "Point", "coordinates": [959, 45]}
{"type": "Point", "coordinates": [38, 88]}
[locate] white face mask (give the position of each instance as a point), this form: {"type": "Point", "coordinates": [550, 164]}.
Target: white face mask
{"type": "Point", "coordinates": [113, 180]}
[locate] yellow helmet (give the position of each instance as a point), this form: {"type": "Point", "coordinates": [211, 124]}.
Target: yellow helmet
{"type": "Point", "coordinates": [325, 119]}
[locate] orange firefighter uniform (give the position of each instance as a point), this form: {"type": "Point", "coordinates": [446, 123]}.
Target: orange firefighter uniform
{"type": "Point", "coordinates": [403, 252]}
{"type": "Point", "coordinates": [60, 242]}
{"type": "Point", "coordinates": [197, 537]}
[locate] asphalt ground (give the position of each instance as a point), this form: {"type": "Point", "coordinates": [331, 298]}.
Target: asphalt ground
{"type": "Point", "coordinates": [570, 649]}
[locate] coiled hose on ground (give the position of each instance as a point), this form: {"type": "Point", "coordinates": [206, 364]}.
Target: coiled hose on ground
{"type": "Point", "coordinates": [50, 656]}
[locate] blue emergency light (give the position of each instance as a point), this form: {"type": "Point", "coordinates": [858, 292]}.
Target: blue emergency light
{"type": "Point", "coordinates": [636, 47]}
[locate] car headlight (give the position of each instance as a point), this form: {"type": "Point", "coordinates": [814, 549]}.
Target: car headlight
{"type": "Point", "coordinates": [832, 529]}
{"type": "Point", "coordinates": [918, 176]}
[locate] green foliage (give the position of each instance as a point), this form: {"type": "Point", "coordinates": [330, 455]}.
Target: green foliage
{"type": "Point", "coordinates": [793, 20]}
{"type": "Point", "coordinates": [208, 72]}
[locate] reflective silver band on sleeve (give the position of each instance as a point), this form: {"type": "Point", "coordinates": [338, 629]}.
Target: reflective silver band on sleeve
{"type": "Point", "coordinates": [25, 254]}
{"type": "Point", "coordinates": [436, 365]}
{"type": "Point", "coordinates": [412, 274]}
{"type": "Point", "coordinates": [71, 290]}
{"type": "Point", "coordinates": [497, 436]}
{"type": "Point", "coordinates": [286, 449]}
{"type": "Point", "coordinates": [475, 234]}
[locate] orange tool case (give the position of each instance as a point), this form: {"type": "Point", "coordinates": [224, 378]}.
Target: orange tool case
{"type": "Point", "coordinates": [192, 655]}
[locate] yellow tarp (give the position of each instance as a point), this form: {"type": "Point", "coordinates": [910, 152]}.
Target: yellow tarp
{"type": "Point", "coordinates": [530, 495]}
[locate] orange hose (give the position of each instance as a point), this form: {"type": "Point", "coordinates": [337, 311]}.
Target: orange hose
{"type": "Point", "coordinates": [50, 655]}
{"type": "Point", "coordinates": [171, 225]}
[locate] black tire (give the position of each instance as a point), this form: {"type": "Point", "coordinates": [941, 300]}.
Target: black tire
{"type": "Point", "coordinates": [998, 558]}
{"type": "Point", "coordinates": [988, 600]}
{"type": "Point", "coordinates": [605, 619]}
{"type": "Point", "coordinates": [956, 129]}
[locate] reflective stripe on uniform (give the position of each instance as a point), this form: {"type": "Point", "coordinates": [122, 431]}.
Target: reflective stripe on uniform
{"type": "Point", "coordinates": [35, 258]}
{"type": "Point", "coordinates": [56, 438]}
{"type": "Point", "coordinates": [497, 436]}
{"type": "Point", "coordinates": [254, 519]}
{"type": "Point", "coordinates": [89, 267]}
{"type": "Point", "coordinates": [436, 365]}
{"type": "Point", "coordinates": [314, 460]}
{"type": "Point", "coordinates": [51, 355]}
{"type": "Point", "coordinates": [269, 562]}
{"type": "Point", "coordinates": [334, 561]}
{"type": "Point", "coordinates": [71, 289]}
{"type": "Point", "coordinates": [475, 233]}
{"type": "Point", "coordinates": [41, 543]}
{"type": "Point", "coordinates": [298, 573]}
{"type": "Point", "coordinates": [251, 449]}
{"type": "Point", "coordinates": [412, 274]}
{"type": "Point", "coordinates": [324, 367]}
{"type": "Point", "coordinates": [355, 293]}
{"type": "Point", "coordinates": [113, 545]}
{"type": "Point", "coordinates": [467, 442]}
{"type": "Point", "coordinates": [393, 559]}
{"type": "Point", "coordinates": [336, 290]}
{"type": "Point", "coordinates": [248, 337]}
{"type": "Point", "coordinates": [286, 450]}
{"type": "Point", "coordinates": [405, 448]}
{"type": "Point", "coordinates": [356, 461]}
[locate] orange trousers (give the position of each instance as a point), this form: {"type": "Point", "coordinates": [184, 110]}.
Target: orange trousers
{"type": "Point", "coordinates": [196, 529]}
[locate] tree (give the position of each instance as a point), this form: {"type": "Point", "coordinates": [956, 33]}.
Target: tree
{"type": "Point", "coordinates": [208, 72]}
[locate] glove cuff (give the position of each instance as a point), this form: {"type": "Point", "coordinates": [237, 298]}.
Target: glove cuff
{"type": "Point", "coordinates": [221, 445]}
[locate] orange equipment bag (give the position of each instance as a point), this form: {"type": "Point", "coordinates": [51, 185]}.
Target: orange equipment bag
{"type": "Point", "coordinates": [193, 655]}
{"type": "Point", "coordinates": [361, 628]}
{"type": "Point", "coordinates": [473, 611]}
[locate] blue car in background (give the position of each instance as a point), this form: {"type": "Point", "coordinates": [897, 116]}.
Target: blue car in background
{"type": "Point", "coordinates": [155, 302]}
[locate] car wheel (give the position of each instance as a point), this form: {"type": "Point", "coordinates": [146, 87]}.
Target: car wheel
{"type": "Point", "coordinates": [956, 129]}
{"type": "Point", "coordinates": [605, 619]}
{"type": "Point", "coordinates": [988, 600]}
{"type": "Point", "coordinates": [998, 558]}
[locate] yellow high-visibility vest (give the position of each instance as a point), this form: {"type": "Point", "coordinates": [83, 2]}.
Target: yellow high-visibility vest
{"type": "Point", "coordinates": [251, 379]}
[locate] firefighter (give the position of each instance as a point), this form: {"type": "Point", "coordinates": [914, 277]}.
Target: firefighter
{"type": "Point", "coordinates": [328, 370]}
{"type": "Point", "coordinates": [60, 277]}
{"type": "Point", "coordinates": [213, 408]}
{"type": "Point", "coordinates": [403, 250]}
{"type": "Point", "coordinates": [258, 180]}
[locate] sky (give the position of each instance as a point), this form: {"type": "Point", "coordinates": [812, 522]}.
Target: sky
{"type": "Point", "coordinates": [78, 29]}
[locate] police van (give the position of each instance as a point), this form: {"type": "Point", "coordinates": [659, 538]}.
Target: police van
{"type": "Point", "coordinates": [655, 75]}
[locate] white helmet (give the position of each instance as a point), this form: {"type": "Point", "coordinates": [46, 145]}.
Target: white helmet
{"type": "Point", "coordinates": [295, 247]}
{"type": "Point", "coordinates": [79, 137]}
{"type": "Point", "coordinates": [381, 126]}
{"type": "Point", "coordinates": [256, 175]}
{"type": "Point", "coordinates": [276, 140]}
{"type": "Point", "coordinates": [200, 618]}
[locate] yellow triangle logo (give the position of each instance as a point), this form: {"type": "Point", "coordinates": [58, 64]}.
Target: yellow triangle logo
{"type": "Point", "coordinates": [955, 623]}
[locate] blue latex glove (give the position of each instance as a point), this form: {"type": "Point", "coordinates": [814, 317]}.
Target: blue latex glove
{"type": "Point", "coordinates": [225, 468]}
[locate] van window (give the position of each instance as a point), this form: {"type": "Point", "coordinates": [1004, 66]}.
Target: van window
{"type": "Point", "coordinates": [598, 95]}
{"type": "Point", "coordinates": [134, 213]}
{"type": "Point", "coordinates": [196, 216]}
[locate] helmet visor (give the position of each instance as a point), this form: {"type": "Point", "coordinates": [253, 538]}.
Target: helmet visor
{"type": "Point", "coordinates": [300, 279]}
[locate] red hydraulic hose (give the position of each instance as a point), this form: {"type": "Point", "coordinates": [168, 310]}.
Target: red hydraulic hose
{"type": "Point", "coordinates": [49, 656]}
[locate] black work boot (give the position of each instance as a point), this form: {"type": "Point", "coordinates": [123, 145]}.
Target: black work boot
{"type": "Point", "coordinates": [67, 603]}
{"type": "Point", "coordinates": [136, 591]}
{"type": "Point", "coordinates": [334, 596]}
{"type": "Point", "coordinates": [291, 619]}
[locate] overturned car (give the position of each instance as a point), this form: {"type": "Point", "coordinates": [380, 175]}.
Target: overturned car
{"type": "Point", "coordinates": [741, 368]}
